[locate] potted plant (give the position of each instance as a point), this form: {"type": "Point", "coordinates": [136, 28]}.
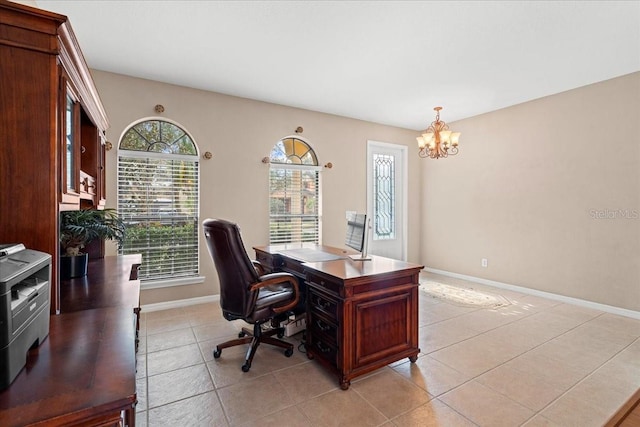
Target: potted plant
{"type": "Point", "coordinates": [77, 229]}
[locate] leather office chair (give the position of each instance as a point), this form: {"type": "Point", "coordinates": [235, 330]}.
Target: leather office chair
{"type": "Point", "coordinates": [246, 292]}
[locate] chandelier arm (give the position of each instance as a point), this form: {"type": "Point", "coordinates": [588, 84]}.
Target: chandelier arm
{"type": "Point", "coordinates": [434, 147]}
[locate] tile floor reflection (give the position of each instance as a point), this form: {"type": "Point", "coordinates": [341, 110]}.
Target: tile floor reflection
{"type": "Point", "coordinates": [536, 362]}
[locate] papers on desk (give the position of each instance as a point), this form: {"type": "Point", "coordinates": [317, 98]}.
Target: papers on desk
{"type": "Point", "coordinates": [310, 255]}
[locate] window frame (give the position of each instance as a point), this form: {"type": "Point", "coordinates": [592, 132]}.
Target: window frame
{"type": "Point", "coordinates": [295, 163]}
{"type": "Point", "coordinates": [193, 215]}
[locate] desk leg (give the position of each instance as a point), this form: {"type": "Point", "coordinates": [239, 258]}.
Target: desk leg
{"type": "Point", "coordinates": [130, 416]}
{"type": "Point", "coordinates": [136, 312]}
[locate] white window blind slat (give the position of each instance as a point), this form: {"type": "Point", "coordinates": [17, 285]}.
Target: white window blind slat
{"type": "Point", "coordinates": [294, 205]}
{"type": "Point", "coordinates": [158, 201]}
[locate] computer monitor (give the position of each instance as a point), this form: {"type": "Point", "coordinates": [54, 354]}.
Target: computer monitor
{"type": "Point", "coordinates": [357, 235]}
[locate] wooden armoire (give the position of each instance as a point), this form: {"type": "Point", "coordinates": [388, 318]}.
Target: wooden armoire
{"type": "Point", "coordinates": [52, 131]}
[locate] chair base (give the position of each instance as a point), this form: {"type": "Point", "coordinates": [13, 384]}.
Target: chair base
{"type": "Point", "coordinates": [255, 337]}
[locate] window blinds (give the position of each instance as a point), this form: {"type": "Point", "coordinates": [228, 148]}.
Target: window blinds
{"type": "Point", "coordinates": [158, 201]}
{"type": "Point", "coordinates": [294, 204]}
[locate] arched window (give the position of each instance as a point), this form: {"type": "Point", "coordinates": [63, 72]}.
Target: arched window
{"type": "Point", "coordinates": [294, 192]}
{"type": "Point", "coordinates": [158, 198]}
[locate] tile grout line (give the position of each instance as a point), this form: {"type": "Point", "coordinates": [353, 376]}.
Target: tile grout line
{"type": "Point", "coordinates": [213, 383]}
{"type": "Point", "coordinates": [526, 315]}
{"type": "Point", "coordinates": [539, 412]}
{"type": "Point", "coordinates": [581, 380]}
{"type": "Point", "coordinates": [516, 356]}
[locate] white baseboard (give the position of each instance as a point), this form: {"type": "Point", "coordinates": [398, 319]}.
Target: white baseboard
{"type": "Point", "coordinates": [146, 308]}
{"type": "Point", "coordinates": [569, 300]}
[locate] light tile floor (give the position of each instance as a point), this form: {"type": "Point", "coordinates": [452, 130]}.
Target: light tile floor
{"type": "Point", "coordinates": [536, 362]}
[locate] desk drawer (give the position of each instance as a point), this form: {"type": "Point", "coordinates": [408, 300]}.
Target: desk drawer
{"type": "Point", "coordinates": [322, 327]}
{"type": "Point", "coordinates": [323, 283]}
{"type": "Point", "coordinates": [293, 267]}
{"type": "Point", "coordinates": [325, 350]}
{"type": "Point", "coordinates": [323, 304]}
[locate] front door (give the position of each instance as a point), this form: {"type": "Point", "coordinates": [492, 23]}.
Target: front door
{"type": "Point", "coordinates": [386, 199]}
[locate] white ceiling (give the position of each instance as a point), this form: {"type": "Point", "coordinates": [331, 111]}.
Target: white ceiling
{"type": "Point", "coordinates": [389, 62]}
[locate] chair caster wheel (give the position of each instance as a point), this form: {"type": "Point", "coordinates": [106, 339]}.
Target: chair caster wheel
{"type": "Point", "coordinates": [288, 352]}
{"type": "Point", "coordinates": [246, 367]}
{"type": "Point", "coordinates": [241, 334]}
{"type": "Point", "coordinates": [217, 353]}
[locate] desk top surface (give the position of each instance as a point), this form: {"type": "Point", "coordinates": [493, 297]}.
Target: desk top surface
{"type": "Point", "coordinates": [342, 267]}
{"type": "Point", "coordinates": [348, 269]}
{"type": "Point", "coordinates": [85, 365]}
{"type": "Point", "coordinates": [291, 247]}
{"type": "Point", "coordinates": [107, 284]}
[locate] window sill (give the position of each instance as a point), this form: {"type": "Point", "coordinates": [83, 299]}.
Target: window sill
{"type": "Point", "coordinates": [169, 283]}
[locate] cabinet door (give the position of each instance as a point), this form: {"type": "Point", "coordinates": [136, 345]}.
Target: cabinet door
{"type": "Point", "coordinates": [101, 178]}
{"type": "Point", "coordinates": [70, 150]}
{"type": "Point", "coordinates": [382, 327]}
{"type": "Point", "coordinates": [91, 161]}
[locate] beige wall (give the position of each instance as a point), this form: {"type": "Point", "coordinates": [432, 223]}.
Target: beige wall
{"type": "Point", "coordinates": [529, 187]}
{"type": "Point", "coordinates": [524, 192]}
{"type": "Point", "coordinates": [240, 132]}
{"type": "Point", "coordinates": [31, 3]}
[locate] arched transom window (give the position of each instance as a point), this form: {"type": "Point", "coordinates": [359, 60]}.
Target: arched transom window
{"type": "Point", "coordinates": [293, 151]}
{"type": "Point", "coordinates": [158, 136]}
{"type": "Point", "coordinates": [294, 192]}
{"type": "Point", "coordinates": [158, 198]}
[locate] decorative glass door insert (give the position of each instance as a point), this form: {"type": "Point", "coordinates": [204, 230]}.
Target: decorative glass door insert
{"type": "Point", "coordinates": [384, 196]}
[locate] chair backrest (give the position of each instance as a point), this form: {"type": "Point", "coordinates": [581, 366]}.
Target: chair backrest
{"type": "Point", "coordinates": [235, 270]}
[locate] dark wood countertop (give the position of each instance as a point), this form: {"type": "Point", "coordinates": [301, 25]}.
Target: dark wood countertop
{"type": "Point", "coordinates": [107, 284]}
{"type": "Point", "coordinates": [84, 371]}
{"type": "Point", "coordinates": [84, 368]}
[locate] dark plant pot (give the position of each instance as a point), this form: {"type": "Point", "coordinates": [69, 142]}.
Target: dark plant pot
{"type": "Point", "coordinates": [73, 266]}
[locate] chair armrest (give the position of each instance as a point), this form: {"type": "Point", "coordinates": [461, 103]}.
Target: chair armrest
{"type": "Point", "coordinates": [259, 267]}
{"type": "Point", "coordinates": [277, 279]}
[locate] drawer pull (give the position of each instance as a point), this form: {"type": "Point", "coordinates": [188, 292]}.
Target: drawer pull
{"type": "Point", "coordinates": [323, 348]}
{"type": "Point", "coordinates": [322, 326]}
{"type": "Point", "coordinates": [322, 304]}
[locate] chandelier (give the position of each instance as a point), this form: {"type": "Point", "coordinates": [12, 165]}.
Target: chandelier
{"type": "Point", "coordinates": [438, 141]}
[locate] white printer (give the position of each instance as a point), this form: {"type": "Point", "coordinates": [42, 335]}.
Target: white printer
{"type": "Point", "coordinates": [25, 277]}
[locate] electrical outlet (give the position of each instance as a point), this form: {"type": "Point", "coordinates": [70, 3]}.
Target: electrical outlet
{"type": "Point", "coordinates": [485, 263]}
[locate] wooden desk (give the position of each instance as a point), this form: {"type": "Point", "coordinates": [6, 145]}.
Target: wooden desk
{"type": "Point", "coordinates": [84, 372]}
{"type": "Point", "coordinates": [361, 315]}
{"type": "Point", "coordinates": [111, 281]}
{"type": "Point", "coordinates": [108, 283]}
